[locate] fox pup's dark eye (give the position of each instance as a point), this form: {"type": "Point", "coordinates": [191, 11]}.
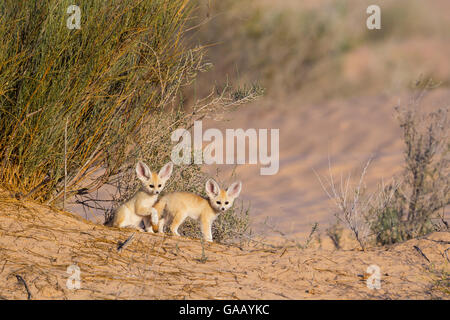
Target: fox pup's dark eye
{"type": "Point", "coordinates": [218, 202]}
{"type": "Point", "coordinates": [226, 202]}
{"type": "Point", "coordinates": [152, 186]}
{"type": "Point", "coordinates": [159, 186]}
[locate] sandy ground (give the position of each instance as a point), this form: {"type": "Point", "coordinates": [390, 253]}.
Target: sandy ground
{"type": "Point", "coordinates": [37, 245]}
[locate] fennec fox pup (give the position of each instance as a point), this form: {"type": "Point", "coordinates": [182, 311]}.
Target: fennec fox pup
{"type": "Point", "coordinates": [176, 207]}
{"type": "Point", "coordinates": [131, 213]}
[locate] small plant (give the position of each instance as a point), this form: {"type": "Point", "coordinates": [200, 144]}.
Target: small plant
{"type": "Point", "coordinates": [352, 204]}
{"type": "Point", "coordinates": [357, 209]}
{"type": "Point", "coordinates": [425, 189]}
{"type": "Point", "coordinates": [335, 234]}
{"type": "Point", "coordinates": [203, 258]}
{"type": "Point", "coordinates": [314, 229]}
{"type": "Point", "coordinates": [441, 278]}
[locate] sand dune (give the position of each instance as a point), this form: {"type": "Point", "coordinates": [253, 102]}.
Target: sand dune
{"type": "Point", "coordinates": [37, 245]}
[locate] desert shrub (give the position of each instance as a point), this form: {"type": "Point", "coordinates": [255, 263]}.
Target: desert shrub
{"type": "Point", "coordinates": [411, 204]}
{"type": "Point", "coordinates": [425, 187]}
{"type": "Point", "coordinates": [78, 107]}
{"type": "Point", "coordinates": [109, 81]}
{"type": "Point", "coordinates": [232, 225]}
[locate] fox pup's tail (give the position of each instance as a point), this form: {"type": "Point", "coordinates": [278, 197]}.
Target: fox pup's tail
{"type": "Point", "coordinates": [159, 207]}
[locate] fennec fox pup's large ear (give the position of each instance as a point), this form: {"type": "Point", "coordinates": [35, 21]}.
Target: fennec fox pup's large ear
{"type": "Point", "coordinates": [165, 172]}
{"type": "Point", "coordinates": [212, 188]}
{"type": "Point", "coordinates": [143, 172]}
{"type": "Point", "coordinates": [234, 189]}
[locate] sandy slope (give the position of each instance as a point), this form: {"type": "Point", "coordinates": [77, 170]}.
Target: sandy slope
{"type": "Point", "coordinates": [349, 132]}
{"type": "Point", "coordinates": [38, 244]}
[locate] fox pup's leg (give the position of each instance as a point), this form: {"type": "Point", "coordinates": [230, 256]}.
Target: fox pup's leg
{"type": "Point", "coordinates": [147, 224]}
{"type": "Point", "coordinates": [150, 221]}
{"type": "Point", "coordinates": [178, 219]}
{"type": "Point", "coordinates": [206, 229]}
{"type": "Point", "coordinates": [119, 220]}
{"type": "Point", "coordinates": [161, 224]}
{"type": "Point", "coordinates": [158, 226]}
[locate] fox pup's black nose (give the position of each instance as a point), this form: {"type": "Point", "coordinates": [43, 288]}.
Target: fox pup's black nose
{"type": "Point", "coordinates": [223, 209]}
{"type": "Point", "coordinates": [157, 192]}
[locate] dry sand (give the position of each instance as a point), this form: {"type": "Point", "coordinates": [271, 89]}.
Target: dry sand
{"type": "Point", "coordinates": [38, 245]}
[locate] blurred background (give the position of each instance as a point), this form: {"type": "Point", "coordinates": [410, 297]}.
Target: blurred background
{"type": "Point", "coordinates": [322, 49]}
{"type": "Point", "coordinates": [331, 88]}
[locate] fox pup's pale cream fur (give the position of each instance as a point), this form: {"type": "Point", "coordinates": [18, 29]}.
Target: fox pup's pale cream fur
{"type": "Point", "coordinates": [176, 207]}
{"type": "Point", "coordinates": [131, 213]}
